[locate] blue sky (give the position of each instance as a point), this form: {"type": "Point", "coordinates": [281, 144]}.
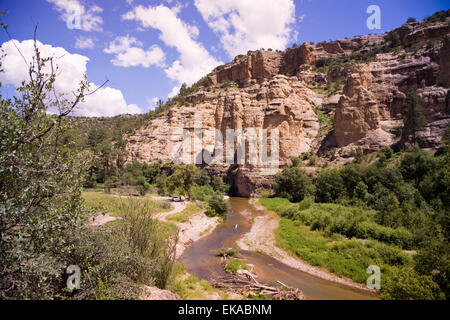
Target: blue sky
{"type": "Point", "coordinates": [147, 48]}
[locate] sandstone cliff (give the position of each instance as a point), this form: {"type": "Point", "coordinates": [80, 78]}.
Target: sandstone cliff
{"type": "Point", "coordinates": [344, 94]}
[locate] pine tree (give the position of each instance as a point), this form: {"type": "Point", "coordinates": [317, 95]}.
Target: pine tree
{"type": "Point", "coordinates": [412, 117]}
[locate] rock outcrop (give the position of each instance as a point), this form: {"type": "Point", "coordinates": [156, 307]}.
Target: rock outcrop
{"type": "Point", "coordinates": [374, 95]}
{"type": "Point", "coordinates": [154, 293]}
{"type": "Point", "coordinates": [358, 84]}
{"type": "Point", "coordinates": [283, 103]}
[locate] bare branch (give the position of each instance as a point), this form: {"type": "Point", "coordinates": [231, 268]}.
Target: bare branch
{"type": "Point", "coordinates": [11, 38]}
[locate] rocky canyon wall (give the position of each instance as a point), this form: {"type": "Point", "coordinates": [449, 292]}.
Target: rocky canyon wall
{"type": "Point", "coordinates": [359, 83]}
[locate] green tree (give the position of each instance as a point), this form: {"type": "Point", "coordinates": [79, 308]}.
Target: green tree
{"type": "Point", "coordinates": [293, 184]}
{"type": "Point", "coordinates": [219, 186]}
{"type": "Point", "coordinates": [393, 40]}
{"type": "Point", "coordinates": [351, 175]}
{"type": "Point", "coordinates": [413, 119]}
{"type": "Point", "coordinates": [41, 177]}
{"type": "Point", "coordinates": [202, 178]}
{"type": "Point", "coordinates": [434, 260]}
{"type": "Point", "coordinates": [329, 186]}
{"type": "Point", "coordinates": [182, 179]}
{"type": "Point", "coordinates": [405, 284]}
{"type": "Point", "coordinates": [416, 164]}
{"type": "Point", "coordinates": [361, 191]}
{"type": "Point", "coordinates": [112, 182]}
{"type": "Point", "coordinates": [183, 89]}
{"type": "Point", "coordinates": [296, 161]}
{"type": "Point", "coordinates": [217, 206]}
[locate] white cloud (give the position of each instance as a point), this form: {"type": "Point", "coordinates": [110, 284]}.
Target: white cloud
{"type": "Point", "coordinates": [134, 57]}
{"type": "Point", "coordinates": [84, 43]}
{"type": "Point", "coordinates": [89, 18]}
{"type": "Point", "coordinates": [121, 44]}
{"type": "Point", "coordinates": [249, 25]}
{"type": "Point", "coordinates": [174, 92]}
{"type": "Point", "coordinates": [301, 18]}
{"type": "Point", "coordinates": [152, 103]}
{"type": "Point", "coordinates": [106, 101]}
{"type": "Point", "coordinates": [128, 55]}
{"type": "Point", "coordinates": [194, 61]}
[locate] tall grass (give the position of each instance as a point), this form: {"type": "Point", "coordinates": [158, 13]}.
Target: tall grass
{"type": "Point", "coordinates": [104, 203]}
{"type": "Point", "coordinates": [149, 239]}
{"type": "Point", "coordinates": [275, 204]}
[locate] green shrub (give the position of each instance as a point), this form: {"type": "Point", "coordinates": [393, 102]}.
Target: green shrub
{"type": "Point", "coordinates": [296, 161]}
{"type": "Point", "coordinates": [201, 193]}
{"type": "Point", "coordinates": [219, 186]}
{"type": "Point", "coordinates": [305, 155]}
{"type": "Point", "coordinates": [266, 193]}
{"type": "Point", "coordinates": [148, 238]}
{"type": "Point", "coordinates": [362, 191]}
{"type": "Point", "coordinates": [329, 186]}
{"type": "Point", "coordinates": [143, 188]}
{"type": "Point", "coordinates": [234, 265]}
{"type": "Point", "coordinates": [217, 206]}
{"type": "Point", "coordinates": [416, 164]}
{"type": "Point", "coordinates": [112, 182]}
{"type": "Point", "coordinates": [433, 259]}
{"type": "Point", "coordinates": [293, 184]}
{"type": "Point", "coordinates": [405, 284]}
{"type": "Point", "coordinates": [275, 204]}
{"type": "Point", "coordinates": [230, 252]}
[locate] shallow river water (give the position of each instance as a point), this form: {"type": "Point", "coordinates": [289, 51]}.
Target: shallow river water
{"type": "Point", "coordinates": [200, 259]}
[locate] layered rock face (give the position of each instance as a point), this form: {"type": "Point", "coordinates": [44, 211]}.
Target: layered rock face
{"type": "Point", "coordinates": [282, 103]}
{"type": "Point", "coordinates": [372, 102]}
{"type": "Point", "coordinates": [359, 86]}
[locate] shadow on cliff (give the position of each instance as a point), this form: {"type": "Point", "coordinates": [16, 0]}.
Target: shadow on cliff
{"type": "Point", "coordinates": [328, 142]}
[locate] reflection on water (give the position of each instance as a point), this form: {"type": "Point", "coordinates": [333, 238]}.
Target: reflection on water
{"type": "Point", "coordinates": [200, 258]}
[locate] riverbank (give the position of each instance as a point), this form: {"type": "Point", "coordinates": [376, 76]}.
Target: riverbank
{"type": "Point", "coordinates": [199, 225]}
{"type": "Point", "coordinates": [261, 238]}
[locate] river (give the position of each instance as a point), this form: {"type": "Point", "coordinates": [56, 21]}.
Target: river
{"type": "Point", "coordinates": [200, 259]}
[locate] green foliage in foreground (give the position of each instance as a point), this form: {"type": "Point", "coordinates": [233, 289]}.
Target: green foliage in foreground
{"type": "Point", "coordinates": [120, 257]}
{"type": "Point", "coordinates": [146, 236]}
{"type": "Point", "coordinates": [40, 204]}
{"type": "Point", "coordinates": [43, 216]}
{"type": "Point", "coordinates": [234, 265]}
